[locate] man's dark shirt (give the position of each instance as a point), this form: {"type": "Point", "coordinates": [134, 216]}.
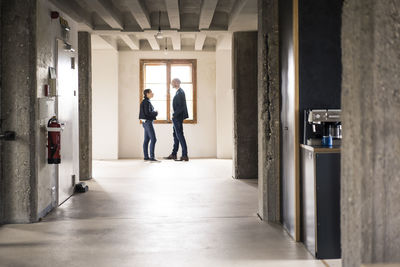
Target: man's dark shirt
{"type": "Point", "coordinates": [147, 110]}
{"type": "Point", "coordinates": [179, 105]}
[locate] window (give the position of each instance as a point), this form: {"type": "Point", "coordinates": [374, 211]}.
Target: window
{"type": "Point", "coordinates": [157, 76]}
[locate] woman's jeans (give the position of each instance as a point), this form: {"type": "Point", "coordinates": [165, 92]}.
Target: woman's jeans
{"type": "Point", "coordinates": [149, 135]}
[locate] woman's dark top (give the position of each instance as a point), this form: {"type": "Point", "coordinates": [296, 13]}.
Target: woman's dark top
{"type": "Point", "coordinates": [147, 110]}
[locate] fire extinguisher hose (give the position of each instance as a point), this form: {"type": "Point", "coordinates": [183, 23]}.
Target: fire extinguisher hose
{"type": "Point", "coordinates": [53, 151]}
{"type": "Point", "coordinates": [53, 119]}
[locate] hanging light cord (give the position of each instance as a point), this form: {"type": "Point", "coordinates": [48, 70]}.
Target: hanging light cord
{"type": "Point", "coordinates": [159, 23]}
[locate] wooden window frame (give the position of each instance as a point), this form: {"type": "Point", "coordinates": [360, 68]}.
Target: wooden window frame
{"type": "Point", "coordinates": [168, 63]}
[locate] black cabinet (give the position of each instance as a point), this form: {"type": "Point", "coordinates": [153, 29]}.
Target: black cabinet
{"type": "Point", "coordinates": [320, 205]}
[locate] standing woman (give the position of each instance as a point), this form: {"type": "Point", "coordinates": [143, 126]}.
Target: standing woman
{"type": "Point", "coordinates": [147, 115]}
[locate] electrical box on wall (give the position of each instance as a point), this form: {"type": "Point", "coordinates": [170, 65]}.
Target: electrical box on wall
{"type": "Point", "coordinates": [52, 86]}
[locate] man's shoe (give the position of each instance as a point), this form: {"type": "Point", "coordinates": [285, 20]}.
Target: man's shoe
{"type": "Point", "coordinates": [172, 156]}
{"type": "Point", "coordinates": [183, 158]}
{"type": "Point", "coordinates": [146, 159]}
{"type": "Point", "coordinates": [154, 160]}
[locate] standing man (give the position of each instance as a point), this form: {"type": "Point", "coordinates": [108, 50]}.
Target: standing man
{"type": "Point", "coordinates": [179, 115]}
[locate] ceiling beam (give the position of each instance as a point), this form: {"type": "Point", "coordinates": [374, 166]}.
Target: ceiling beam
{"type": "Point", "coordinates": [200, 39]}
{"type": "Point", "coordinates": [176, 41]}
{"type": "Point", "coordinates": [207, 13]}
{"type": "Point", "coordinates": [105, 13]}
{"type": "Point", "coordinates": [236, 9]}
{"type": "Point", "coordinates": [74, 11]}
{"type": "Point", "coordinates": [139, 12]}
{"type": "Point", "coordinates": [110, 41]}
{"type": "Point", "coordinates": [173, 13]}
{"type": "Point", "coordinates": [153, 42]}
{"type": "Point", "coordinates": [131, 41]}
{"type": "Point", "coordinates": [103, 42]}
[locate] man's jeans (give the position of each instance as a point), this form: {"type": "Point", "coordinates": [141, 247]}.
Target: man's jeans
{"type": "Point", "coordinates": [179, 138]}
{"type": "Point", "coordinates": [149, 135]}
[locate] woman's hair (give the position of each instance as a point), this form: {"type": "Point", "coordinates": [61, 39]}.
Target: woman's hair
{"type": "Point", "coordinates": [145, 92]}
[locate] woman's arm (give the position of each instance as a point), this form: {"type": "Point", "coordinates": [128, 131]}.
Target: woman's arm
{"type": "Point", "coordinates": [152, 113]}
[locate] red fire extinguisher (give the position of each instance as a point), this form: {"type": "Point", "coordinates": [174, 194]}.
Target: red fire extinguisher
{"type": "Point", "coordinates": [54, 141]}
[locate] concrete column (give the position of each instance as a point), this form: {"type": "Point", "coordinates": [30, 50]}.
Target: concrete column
{"type": "Point", "coordinates": [371, 126]}
{"type": "Point", "coordinates": [85, 105]}
{"type": "Point", "coordinates": [19, 111]}
{"type": "Point", "coordinates": [1, 129]}
{"type": "Point", "coordinates": [268, 111]}
{"type": "Point", "coordinates": [245, 156]}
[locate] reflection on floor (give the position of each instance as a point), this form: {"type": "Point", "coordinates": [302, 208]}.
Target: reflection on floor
{"type": "Point", "coordinates": [155, 214]}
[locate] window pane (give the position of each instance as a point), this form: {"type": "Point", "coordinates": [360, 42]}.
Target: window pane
{"type": "Point", "coordinates": [183, 73]}
{"type": "Point", "coordinates": [159, 90]}
{"type": "Point", "coordinates": [188, 88]}
{"type": "Point", "coordinates": [172, 93]}
{"type": "Point", "coordinates": [155, 78]}
{"type": "Point", "coordinates": [171, 109]}
{"type": "Point", "coordinates": [161, 107]}
{"type": "Point", "coordinates": [190, 109]}
{"type": "Point", "coordinates": [155, 74]}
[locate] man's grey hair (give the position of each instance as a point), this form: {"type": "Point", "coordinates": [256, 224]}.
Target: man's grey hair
{"type": "Point", "coordinates": [176, 80]}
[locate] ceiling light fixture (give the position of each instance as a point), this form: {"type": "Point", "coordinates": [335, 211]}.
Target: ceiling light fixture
{"type": "Point", "coordinates": [165, 46]}
{"type": "Point", "coordinates": [159, 34]}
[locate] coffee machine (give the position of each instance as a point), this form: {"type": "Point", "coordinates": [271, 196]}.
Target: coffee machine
{"type": "Point", "coordinates": [322, 127]}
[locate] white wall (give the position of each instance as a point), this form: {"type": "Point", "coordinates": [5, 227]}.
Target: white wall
{"type": "Point", "coordinates": [201, 137]}
{"type": "Point", "coordinates": [105, 104]}
{"type": "Point", "coordinates": [224, 103]}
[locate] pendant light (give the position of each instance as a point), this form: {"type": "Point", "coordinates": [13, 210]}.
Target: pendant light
{"type": "Point", "coordinates": [165, 46]}
{"type": "Point", "coordinates": [159, 34]}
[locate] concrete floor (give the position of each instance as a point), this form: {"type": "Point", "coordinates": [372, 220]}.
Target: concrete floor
{"type": "Point", "coordinates": [156, 214]}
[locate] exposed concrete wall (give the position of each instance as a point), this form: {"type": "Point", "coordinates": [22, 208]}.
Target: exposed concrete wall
{"type": "Point", "coordinates": [1, 129]}
{"type": "Point", "coordinates": [29, 48]}
{"type": "Point", "coordinates": [371, 125]}
{"type": "Point", "coordinates": [85, 105]}
{"type": "Point", "coordinates": [268, 111]}
{"type": "Point", "coordinates": [48, 31]}
{"type": "Point", "coordinates": [19, 110]}
{"type": "Point", "coordinates": [245, 156]}
{"type": "Point", "coordinates": [46, 51]}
